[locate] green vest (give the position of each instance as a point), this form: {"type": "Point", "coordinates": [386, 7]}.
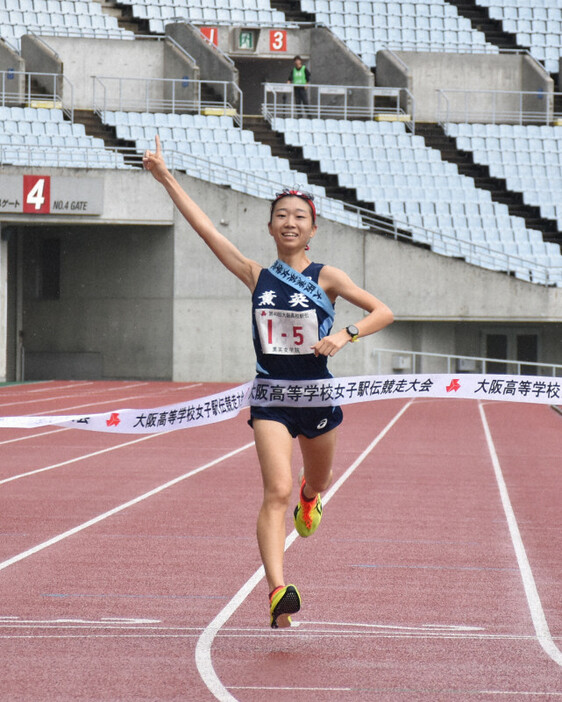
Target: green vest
{"type": "Point", "coordinates": [299, 75]}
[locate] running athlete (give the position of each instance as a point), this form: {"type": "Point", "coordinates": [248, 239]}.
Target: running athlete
{"type": "Point", "coordinates": [292, 306]}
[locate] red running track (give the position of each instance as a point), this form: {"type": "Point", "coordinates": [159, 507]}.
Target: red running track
{"type": "Point", "coordinates": [129, 569]}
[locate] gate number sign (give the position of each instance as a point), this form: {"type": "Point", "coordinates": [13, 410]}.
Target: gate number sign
{"type": "Point", "coordinates": [51, 195]}
{"type": "Point", "coordinates": [37, 194]}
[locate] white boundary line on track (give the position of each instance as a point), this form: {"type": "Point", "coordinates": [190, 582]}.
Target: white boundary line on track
{"type": "Point", "coordinates": [75, 460]}
{"type": "Point", "coordinates": [121, 508]}
{"type": "Point", "coordinates": [91, 404]}
{"type": "Point", "coordinates": [64, 397]}
{"type": "Point", "coordinates": [32, 436]}
{"type": "Point", "coordinates": [537, 613]}
{"type": "Point", "coordinates": [400, 691]}
{"type": "Point", "coordinates": [205, 641]}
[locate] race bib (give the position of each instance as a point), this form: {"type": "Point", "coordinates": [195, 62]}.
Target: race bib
{"type": "Point", "coordinates": [287, 332]}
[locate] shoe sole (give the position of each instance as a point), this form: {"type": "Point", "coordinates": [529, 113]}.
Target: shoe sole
{"type": "Point", "coordinates": [289, 603]}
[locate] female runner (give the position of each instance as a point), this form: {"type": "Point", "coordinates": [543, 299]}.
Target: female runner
{"type": "Point", "coordinates": [292, 304]}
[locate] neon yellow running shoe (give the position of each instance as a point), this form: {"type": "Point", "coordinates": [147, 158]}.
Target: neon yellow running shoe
{"type": "Point", "coordinates": [307, 514]}
{"type": "Point", "coordinates": [283, 601]}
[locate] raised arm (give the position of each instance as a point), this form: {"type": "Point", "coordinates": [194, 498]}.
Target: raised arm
{"type": "Point", "coordinates": [336, 283]}
{"type": "Point", "coordinates": [243, 268]}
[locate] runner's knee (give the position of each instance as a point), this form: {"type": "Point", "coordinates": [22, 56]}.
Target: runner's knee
{"type": "Point", "coordinates": [278, 493]}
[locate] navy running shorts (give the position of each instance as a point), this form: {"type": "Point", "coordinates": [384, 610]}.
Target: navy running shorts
{"type": "Point", "coordinates": [308, 421]}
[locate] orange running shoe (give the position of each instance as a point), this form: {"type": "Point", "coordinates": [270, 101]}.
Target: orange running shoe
{"type": "Point", "coordinates": [307, 514]}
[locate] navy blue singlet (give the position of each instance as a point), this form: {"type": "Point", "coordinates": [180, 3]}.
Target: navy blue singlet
{"type": "Point", "coordinates": [281, 308]}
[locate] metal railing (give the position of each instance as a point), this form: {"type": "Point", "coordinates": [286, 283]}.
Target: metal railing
{"type": "Point", "coordinates": [69, 156]}
{"type": "Point", "coordinates": [19, 89]}
{"type": "Point", "coordinates": [481, 254]}
{"type": "Point", "coordinates": [497, 106]}
{"type": "Point", "coordinates": [214, 47]}
{"type": "Point", "coordinates": [167, 95]}
{"type": "Point", "coordinates": [413, 362]}
{"type": "Point", "coordinates": [478, 254]}
{"type": "Point", "coordinates": [246, 181]}
{"type": "Point", "coordinates": [339, 102]}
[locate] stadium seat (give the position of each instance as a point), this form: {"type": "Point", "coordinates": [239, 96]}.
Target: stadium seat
{"type": "Point", "coordinates": [48, 139]}
{"type": "Point", "coordinates": [535, 26]}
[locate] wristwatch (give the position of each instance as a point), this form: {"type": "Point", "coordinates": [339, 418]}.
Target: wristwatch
{"type": "Point", "coordinates": [353, 332]}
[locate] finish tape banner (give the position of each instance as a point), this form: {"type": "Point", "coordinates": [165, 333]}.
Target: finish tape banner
{"type": "Point", "coordinates": [303, 393]}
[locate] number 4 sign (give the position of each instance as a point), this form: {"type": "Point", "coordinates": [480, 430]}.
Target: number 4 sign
{"type": "Point", "coordinates": [37, 194]}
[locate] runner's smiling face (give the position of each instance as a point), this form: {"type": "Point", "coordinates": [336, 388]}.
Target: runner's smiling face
{"type": "Point", "coordinates": [291, 223]}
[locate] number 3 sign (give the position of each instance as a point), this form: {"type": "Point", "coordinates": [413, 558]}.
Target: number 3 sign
{"type": "Point", "coordinates": [37, 194]}
{"type": "Point", "coordinates": [277, 40]}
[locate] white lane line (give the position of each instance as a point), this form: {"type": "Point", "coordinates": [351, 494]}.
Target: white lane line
{"type": "Point", "coordinates": [203, 649]}
{"type": "Point", "coordinates": [22, 390]}
{"type": "Point", "coordinates": [66, 387]}
{"type": "Point", "coordinates": [33, 436]}
{"type": "Point", "coordinates": [91, 404]}
{"type": "Point", "coordinates": [401, 691]}
{"type": "Point", "coordinates": [10, 386]}
{"type": "Point", "coordinates": [65, 409]}
{"type": "Point", "coordinates": [121, 508]}
{"type": "Point", "coordinates": [77, 459]}
{"type": "Point", "coordinates": [537, 613]}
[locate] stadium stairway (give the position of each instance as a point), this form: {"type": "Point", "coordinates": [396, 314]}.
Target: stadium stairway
{"type": "Point", "coordinates": [436, 138]}
{"type": "Point", "coordinates": [124, 15]}
{"type": "Point", "coordinates": [292, 11]}
{"type": "Point", "coordinates": [348, 196]}
{"type": "Point", "coordinates": [492, 28]}
{"type": "Point", "coordinates": [96, 128]}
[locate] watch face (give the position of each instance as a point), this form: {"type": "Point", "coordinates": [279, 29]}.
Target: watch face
{"type": "Point", "coordinates": [352, 330]}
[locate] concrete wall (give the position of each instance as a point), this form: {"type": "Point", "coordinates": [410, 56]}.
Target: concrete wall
{"type": "Point", "coordinates": [114, 315]}
{"type": "Point", "coordinates": [425, 73]}
{"type": "Point", "coordinates": [3, 308]}
{"type": "Point", "coordinates": [178, 65]}
{"type": "Point", "coordinates": [212, 65]}
{"type": "Point", "coordinates": [81, 59]}
{"type": "Point", "coordinates": [334, 63]}
{"type": "Point", "coordinates": [12, 62]}
{"type": "Point", "coordinates": [145, 294]}
{"type": "Point", "coordinates": [429, 294]}
{"type": "Point", "coordinates": [41, 57]}
{"type": "Point", "coordinates": [328, 59]}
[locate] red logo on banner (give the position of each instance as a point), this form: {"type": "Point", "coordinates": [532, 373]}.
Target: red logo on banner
{"type": "Point", "coordinates": [455, 385]}
{"type": "Point", "coordinates": [114, 420]}
{"type": "Point", "coordinates": [37, 194]}
{"type": "Point", "coordinates": [211, 34]}
{"type": "Point", "coordinates": [277, 40]}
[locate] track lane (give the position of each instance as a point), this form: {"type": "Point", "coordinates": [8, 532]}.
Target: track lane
{"type": "Point", "coordinates": [428, 565]}
{"type": "Point", "coordinates": [145, 583]}
{"type": "Point", "coordinates": [164, 562]}
{"type": "Point", "coordinates": [529, 447]}
{"type": "Point", "coordinates": [32, 457]}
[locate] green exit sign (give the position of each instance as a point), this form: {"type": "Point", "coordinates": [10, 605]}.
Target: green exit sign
{"type": "Point", "coordinates": [246, 40]}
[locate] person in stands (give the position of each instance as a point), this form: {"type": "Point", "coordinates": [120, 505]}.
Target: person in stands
{"type": "Point", "coordinates": [299, 77]}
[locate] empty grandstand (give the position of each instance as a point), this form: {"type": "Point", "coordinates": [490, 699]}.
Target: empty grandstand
{"type": "Point", "coordinates": [430, 143]}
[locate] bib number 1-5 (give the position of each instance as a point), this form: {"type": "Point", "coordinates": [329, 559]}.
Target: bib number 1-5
{"type": "Point", "coordinates": [286, 332]}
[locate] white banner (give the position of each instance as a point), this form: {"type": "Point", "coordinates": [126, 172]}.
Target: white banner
{"type": "Point", "coordinates": [304, 393]}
